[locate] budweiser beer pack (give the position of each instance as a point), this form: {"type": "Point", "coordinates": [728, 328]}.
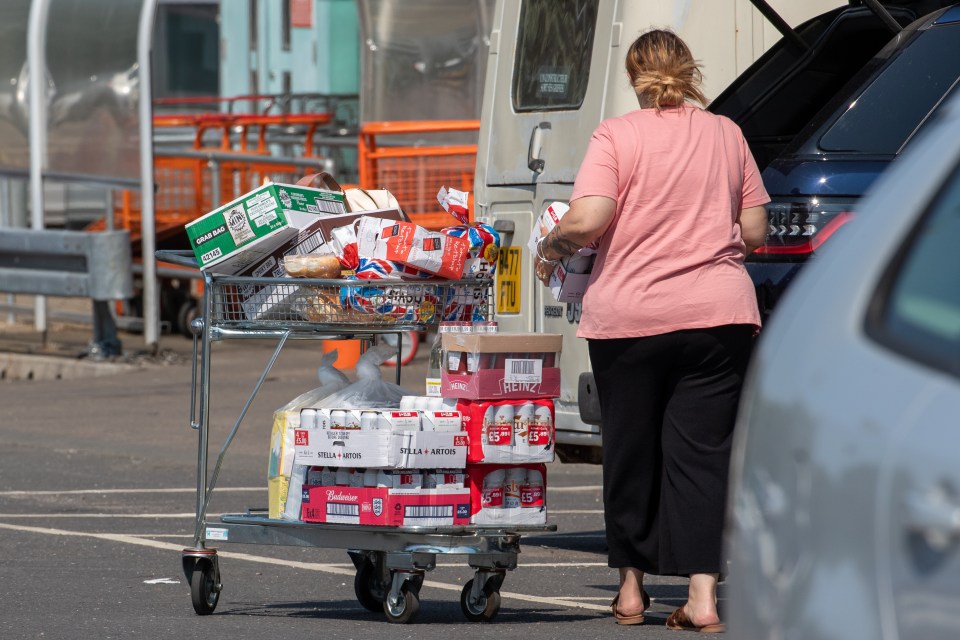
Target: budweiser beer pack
{"type": "Point", "coordinates": [509, 431]}
{"type": "Point", "coordinates": [507, 494]}
{"type": "Point", "coordinates": [500, 366]}
{"type": "Point", "coordinates": [385, 497]}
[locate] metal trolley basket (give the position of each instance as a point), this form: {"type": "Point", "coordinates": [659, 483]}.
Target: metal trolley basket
{"type": "Point", "coordinates": [390, 561]}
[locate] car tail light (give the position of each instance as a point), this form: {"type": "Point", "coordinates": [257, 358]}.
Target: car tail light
{"type": "Point", "coordinates": [798, 227]}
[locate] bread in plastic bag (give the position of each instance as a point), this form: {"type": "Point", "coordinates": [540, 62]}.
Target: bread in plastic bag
{"type": "Point", "coordinates": [285, 420]}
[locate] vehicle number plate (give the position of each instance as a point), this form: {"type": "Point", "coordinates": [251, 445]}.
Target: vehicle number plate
{"type": "Point", "coordinates": [508, 281]}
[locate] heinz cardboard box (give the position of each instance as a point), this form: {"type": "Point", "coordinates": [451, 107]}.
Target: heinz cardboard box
{"type": "Point", "coordinates": [386, 507]}
{"type": "Point", "coordinates": [244, 231]}
{"type": "Point", "coordinates": [500, 366]}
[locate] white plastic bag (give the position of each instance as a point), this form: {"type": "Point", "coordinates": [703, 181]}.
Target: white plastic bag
{"type": "Point", "coordinates": [285, 420]}
{"type": "Point", "coordinates": [370, 391]}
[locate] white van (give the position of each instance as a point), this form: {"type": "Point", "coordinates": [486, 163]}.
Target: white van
{"type": "Point", "coordinates": [556, 69]}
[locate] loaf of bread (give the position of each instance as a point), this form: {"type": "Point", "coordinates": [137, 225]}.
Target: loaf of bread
{"type": "Point", "coordinates": [312, 266]}
{"type": "Point", "coordinates": [325, 307]}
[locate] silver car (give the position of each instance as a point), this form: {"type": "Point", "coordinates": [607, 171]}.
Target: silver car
{"type": "Point", "coordinates": [845, 489]}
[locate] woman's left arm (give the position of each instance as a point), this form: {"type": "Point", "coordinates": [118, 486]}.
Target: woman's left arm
{"type": "Point", "coordinates": [587, 220]}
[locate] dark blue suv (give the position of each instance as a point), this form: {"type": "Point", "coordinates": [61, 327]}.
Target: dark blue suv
{"type": "Point", "coordinates": [828, 109]}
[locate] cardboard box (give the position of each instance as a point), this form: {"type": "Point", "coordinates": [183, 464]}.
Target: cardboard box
{"type": "Point", "coordinates": [381, 448]}
{"type": "Point", "coordinates": [509, 431]}
{"type": "Point", "coordinates": [567, 286]}
{"type": "Point", "coordinates": [490, 495]}
{"type": "Point", "coordinates": [386, 507]}
{"type": "Point", "coordinates": [569, 280]}
{"type": "Point", "coordinates": [244, 231]}
{"type": "Point", "coordinates": [500, 366]}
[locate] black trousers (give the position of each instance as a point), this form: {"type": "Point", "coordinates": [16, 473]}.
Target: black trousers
{"type": "Point", "coordinates": [668, 404]}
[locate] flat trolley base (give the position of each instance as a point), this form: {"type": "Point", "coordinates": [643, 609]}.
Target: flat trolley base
{"type": "Point", "coordinates": [390, 561]}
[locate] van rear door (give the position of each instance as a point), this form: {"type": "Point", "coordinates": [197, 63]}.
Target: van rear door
{"type": "Point", "coordinates": [537, 118]}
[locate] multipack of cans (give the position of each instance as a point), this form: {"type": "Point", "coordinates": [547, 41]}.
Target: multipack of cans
{"type": "Point", "coordinates": [507, 494]}
{"type": "Point", "coordinates": [509, 431]}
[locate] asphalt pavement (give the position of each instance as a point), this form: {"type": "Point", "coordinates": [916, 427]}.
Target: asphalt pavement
{"type": "Point", "coordinates": [98, 497]}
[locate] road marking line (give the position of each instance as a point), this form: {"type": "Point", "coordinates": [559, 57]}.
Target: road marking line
{"type": "Point", "coordinates": [308, 566]}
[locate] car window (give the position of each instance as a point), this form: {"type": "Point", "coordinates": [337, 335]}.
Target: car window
{"type": "Point", "coordinates": [554, 47]}
{"type": "Point", "coordinates": [921, 312]}
{"type": "Point", "coordinates": [884, 116]}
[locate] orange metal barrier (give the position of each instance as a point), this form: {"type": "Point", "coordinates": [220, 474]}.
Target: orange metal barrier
{"type": "Point", "coordinates": [415, 172]}
{"type": "Point", "coordinates": [235, 128]}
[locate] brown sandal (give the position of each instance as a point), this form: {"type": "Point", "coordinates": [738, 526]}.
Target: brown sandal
{"type": "Point", "coordinates": [635, 619]}
{"type": "Point", "coordinates": [678, 621]}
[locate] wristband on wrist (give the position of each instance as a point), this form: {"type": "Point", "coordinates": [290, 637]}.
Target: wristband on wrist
{"type": "Point", "coordinates": [540, 255]}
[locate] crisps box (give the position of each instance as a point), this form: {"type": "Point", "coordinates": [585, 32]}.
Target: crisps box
{"type": "Point", "coordinates": [500, 366]}
{"type": "Point", "coordinates": [380, 448]}
{"type": "Point", "coordinates": [247, 229]}
{"type": "Point", "coordinates": [259, 301]}
{"type": "Point", "coordinates": [509, 431]}
{"type": "Point", "coordinates": [491, 487]}
{"type": "Point", "coordinates": [386, 507]}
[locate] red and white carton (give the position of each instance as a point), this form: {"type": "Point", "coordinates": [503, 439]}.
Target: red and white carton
{"type": "Point", "coordinates": [486, 509]}
{"type": "Point", "coordinates": [492, 430]}
{"type": "Point", "coordinates": [385, 507]}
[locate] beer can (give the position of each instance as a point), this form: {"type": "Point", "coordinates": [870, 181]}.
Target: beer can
{"type": "Point", "coordinates": [532, 492]}
{"type": "Point", "coordinates": [314, 476]}
{"type": "Point", "coordinates": [541, 431]}
{"type": "Point", "coordinates": [328, 478]}
{"type": "Point", "coordinates": [342, 477]}
{"type": "Point", "coordinates": [369, 420]}
{"type": "Point", "coordinates": [407, 403]}
{"type": "Point", "coordinates": [351, 420]}
{"type": "Point", "coordinates": [523, 419]}
{"type": "Point", "coordinates": [356, 478]}
{"type": "Point", "coordinates": [308, 418]}
{"type": "Point", "coordinates": [370, 477]}
{"type": "Point", "coordinates": [491, 492]}
{"type": "Point", "coordinates": [338, 419]}
{"type": "Point", "coordinates": [513, 483]}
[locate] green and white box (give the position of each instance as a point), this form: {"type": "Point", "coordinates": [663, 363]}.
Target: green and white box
{"type": "Point", "coordinates": [245, 230]}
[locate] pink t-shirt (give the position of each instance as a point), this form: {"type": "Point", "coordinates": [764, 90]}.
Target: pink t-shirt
{"type": "Point", "coordinates": [672, 258]}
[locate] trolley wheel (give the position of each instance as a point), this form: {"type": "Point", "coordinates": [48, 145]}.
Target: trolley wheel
{"type": "Point", "coordinates": [406, 607]}
{"type": "Point", "coordinates": [370, 593]}
{"type": "Point", "coordinates": [204, 590]}
{"type": "Point", "coordinates": [483, 609]}
{"type": "Point", "coordinates": [409, 343]}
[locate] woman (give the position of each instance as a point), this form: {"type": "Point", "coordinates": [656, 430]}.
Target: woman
{"type": "Point", "coordinates": [674, 199]}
